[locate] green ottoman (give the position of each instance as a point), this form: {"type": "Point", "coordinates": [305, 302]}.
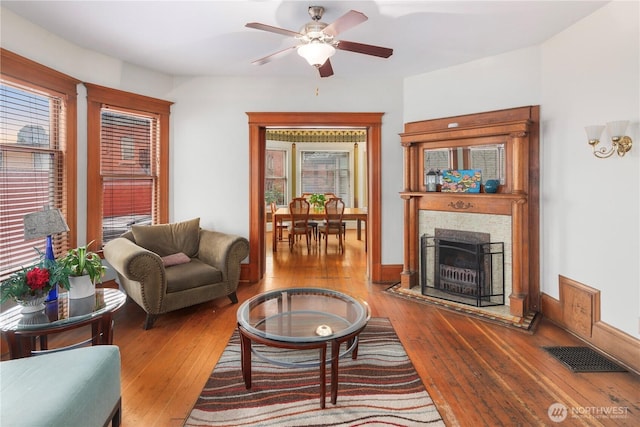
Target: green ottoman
{"type": "Point", "coordinates": [79, 387]}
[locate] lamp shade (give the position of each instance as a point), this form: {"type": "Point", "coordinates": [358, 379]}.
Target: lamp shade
{"type": "Point", "coordinates": [618, 128]}
{"type": "Point", "coordinates": [316, 53]}
{"type": "Point", "coordinates": [594, 132]}
{"type": "Point", "coordinates": [44, 223]}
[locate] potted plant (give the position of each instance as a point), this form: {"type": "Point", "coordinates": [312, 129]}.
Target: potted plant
{"type": "Point", "coordinates": [30, 286]}
{"type": "Point", "coordinates": [85, 269]}
{"type": "Point", "coordinates": [317, 200]}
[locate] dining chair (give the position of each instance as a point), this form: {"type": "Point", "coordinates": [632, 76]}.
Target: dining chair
{"type": "Point", "coordinates": [280, 225]}
{"type": "Point", "coordinates": [299, 221]}
{"type": "Point", "coordinates": [344, 224]}
{"type": "Point", "coordinates": [312, 224]}
{"type": "Point", "coordinates": [333, 211]}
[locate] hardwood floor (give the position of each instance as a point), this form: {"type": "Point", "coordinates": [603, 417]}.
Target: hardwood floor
{"type": "Point", "coordinates": [478, 373]}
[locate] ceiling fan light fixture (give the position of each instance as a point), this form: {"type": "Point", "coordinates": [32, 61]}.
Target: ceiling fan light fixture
{"type": "Point", "coordinates": [316, 53]}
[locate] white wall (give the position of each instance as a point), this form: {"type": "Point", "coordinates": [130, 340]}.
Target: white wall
{"type": "Point", "coordinates": [210, 150]}
{"type": "Point", "coordinates": [590, 207]}
{"type": "Point", "coordinates": [493, 83]}
{"type": "Point", "coordinates": [590, 216]}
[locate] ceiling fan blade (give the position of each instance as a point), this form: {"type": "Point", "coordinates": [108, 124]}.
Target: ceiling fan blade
{"type": "Point", "coordinates": [367, 49]}
{"type": "Point", "coordinates": [345, 22]}
{"type": "Point", "coordinates": [326, 70]}
{"type": "Point", "coordinates": [273, 56]}
{"type": "Point", "coordinates": [265, 27]}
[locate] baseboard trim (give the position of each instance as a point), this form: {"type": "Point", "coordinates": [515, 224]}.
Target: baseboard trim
{"type": "Point", "coordinates": [390, 273]}
{"type": "Point", "coordinates": [578, 311]}
{"type": "Point", "coordinates": [246, 275]}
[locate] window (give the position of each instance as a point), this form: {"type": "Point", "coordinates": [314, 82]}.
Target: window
{"type": "Point", "coordinates": [37, 155]}
{"type": "Point", "coordinates": [490, 160]}
{"type": "Point", "coordinates": [326, 172]}
{"type": "Point", "coordinates": [436, 160]}
{"type": "Point", "coordinates": [275, 186]}
{"type": "Point", "coordinates": [127, 162]}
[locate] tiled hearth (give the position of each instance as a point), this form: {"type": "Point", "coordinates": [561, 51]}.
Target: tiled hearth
{"type": "Point", "coordinates": [498, 314]}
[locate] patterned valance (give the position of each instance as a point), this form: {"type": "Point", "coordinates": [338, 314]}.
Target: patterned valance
{"type": "Point", "coordinates": [317, 135]}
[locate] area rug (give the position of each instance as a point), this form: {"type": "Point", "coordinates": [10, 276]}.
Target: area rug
{"type": "Point", "coordinates": [380, 387]}
{"type": "Point", "coordinates": [527, 323]}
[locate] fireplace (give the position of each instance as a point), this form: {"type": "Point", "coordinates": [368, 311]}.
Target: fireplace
{"type": "Point", "coordinates": [510, 215]}
{"type": "Point", "coordinates": [463, 266]}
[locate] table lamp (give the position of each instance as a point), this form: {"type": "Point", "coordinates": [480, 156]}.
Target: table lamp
{"type": "Point", "coordinates": [44, 223]}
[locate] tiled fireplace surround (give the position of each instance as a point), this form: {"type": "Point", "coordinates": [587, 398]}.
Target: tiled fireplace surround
{"type": "Point", "coordinates": [497, 226]}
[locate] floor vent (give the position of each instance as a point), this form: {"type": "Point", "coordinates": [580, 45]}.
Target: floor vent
{"type": "Point", "coordinates": [584, 359]}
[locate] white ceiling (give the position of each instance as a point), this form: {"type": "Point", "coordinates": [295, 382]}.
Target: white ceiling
{"type": "Point", "coordinates": [209, 37]}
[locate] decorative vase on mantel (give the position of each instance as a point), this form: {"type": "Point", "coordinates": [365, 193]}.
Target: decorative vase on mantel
{"type": "Point", "coordinates": [491, 186]}
{"type": "Point", "coordinates": [32, 303]}
{"type": "Point", "coordinates": [81, 287]}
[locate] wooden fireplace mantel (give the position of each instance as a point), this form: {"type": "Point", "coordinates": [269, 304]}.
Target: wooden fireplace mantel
{"type": "Point", "coordinates": [518, 130]}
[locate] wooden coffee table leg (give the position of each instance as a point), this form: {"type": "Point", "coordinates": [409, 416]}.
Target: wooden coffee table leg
{"type": "Point", "coordinates": [354, 353]}
{"type": "Point", "coordinates": [323, 375]}
{"type": "Point", "coordinates": [335, 353]}
{"type": "Point", "coordinates": [245, 358]}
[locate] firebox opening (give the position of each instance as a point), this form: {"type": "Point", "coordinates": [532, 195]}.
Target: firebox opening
{"type": "Point", "coordinates": [464, 267]}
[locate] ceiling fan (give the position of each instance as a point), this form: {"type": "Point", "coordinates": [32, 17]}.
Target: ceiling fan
{"type": "Point", "coordinates": [318, 40]}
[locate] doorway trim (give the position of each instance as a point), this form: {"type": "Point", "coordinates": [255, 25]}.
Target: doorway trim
{"type": "Point", "coordinates": [258, 124]}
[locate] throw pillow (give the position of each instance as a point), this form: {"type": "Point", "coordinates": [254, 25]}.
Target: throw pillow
{"type": "Point", "coordinates": [167, 239]}
{"type": "Point", "coordinates": [175, 259]}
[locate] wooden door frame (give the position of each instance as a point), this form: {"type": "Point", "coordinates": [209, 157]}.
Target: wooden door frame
{"type": "Point", "coordinates": [258, 124]}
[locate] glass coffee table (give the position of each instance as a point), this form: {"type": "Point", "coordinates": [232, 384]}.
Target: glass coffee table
{"type": "Point", "coordinates": [300, 319]}
{"type": "Point", "coordinates": [21, 330]}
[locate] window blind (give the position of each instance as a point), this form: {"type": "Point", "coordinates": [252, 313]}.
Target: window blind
{"type": "Point", "coordinates": [490, 160]}
{"type": "Point", "coordinates": [32, 139]}
{"type": "Point", "coordinates": [437, 159]}
{"type": "Point", "coordinates": [129, 167]}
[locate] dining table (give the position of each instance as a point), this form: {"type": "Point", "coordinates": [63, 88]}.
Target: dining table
{"type": "Point", "coordinates": [350, 214]}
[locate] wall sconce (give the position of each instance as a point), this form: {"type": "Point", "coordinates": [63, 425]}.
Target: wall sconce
{"type": "Point", "coordinates": [619, 141]}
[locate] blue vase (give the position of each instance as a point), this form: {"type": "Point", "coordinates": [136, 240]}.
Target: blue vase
{"type": "Point", "coordinates": [53, 293]}
{"type": "Point", "coordinates": [491, 186]}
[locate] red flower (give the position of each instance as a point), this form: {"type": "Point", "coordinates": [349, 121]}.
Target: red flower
{"type": "Point", "coordinates": [38, 278]}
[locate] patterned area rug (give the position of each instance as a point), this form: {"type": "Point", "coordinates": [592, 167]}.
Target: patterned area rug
{"type": "Point", "coordinates": [380, 387]}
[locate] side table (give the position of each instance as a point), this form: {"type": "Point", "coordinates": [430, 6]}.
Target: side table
{"type": "Point", "coordinates": [24, 332]}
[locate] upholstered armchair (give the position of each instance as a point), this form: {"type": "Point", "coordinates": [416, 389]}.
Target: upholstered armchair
{"type": "Point", "coordinates": [171, 266]}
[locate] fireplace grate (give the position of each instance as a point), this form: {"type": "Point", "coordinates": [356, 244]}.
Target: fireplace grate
{"type": "Point", "coordinates": [583, 359]}
{"type": "Point", "coordinates": [463, 269]}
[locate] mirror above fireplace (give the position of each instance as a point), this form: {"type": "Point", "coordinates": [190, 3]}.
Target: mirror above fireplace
{"type": "Point", "coordinates": [490, 159]}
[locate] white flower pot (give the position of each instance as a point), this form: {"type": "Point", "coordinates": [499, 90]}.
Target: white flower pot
{"type": "Point", "coordinates": [81, 287]}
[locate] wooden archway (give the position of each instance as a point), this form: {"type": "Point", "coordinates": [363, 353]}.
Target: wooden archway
{"type": "Point", "coordinates": [258, 124]}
